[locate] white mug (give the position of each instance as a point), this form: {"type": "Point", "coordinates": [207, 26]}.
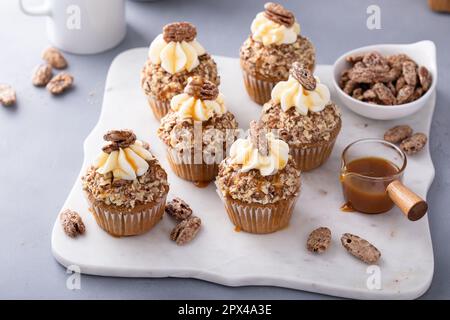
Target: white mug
{"type": "Point", "coordinates": [82, 26]}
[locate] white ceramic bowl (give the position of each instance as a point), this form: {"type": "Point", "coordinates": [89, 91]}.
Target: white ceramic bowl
{"type": "Point", "coordinates": [423, 52]}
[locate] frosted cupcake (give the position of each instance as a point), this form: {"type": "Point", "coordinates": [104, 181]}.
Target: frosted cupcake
{"type": "Point", "coordinates": [259, 182]}
{"type": "Point", "coordinates": [304, 116]}
{"type": "Point", "coordinates": [126, 187]}
{"type": "Point", "coordinates": [197, 131]}
{"type": "Point", "coordinates": [267, 55]}
{"type": "Point", "coordinates": [173, 57]}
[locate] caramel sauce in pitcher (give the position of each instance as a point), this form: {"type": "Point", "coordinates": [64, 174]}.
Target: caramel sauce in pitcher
{"type": "Point", "coordinates": [364, 194]}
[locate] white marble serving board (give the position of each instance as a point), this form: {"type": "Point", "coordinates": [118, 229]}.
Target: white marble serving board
{"type": "Point", "coordinates": [222, 255]}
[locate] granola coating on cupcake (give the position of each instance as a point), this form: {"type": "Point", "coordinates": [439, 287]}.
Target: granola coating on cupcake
{"type": "Point", "coordinates": [300, 130]}
{"type": "Point", "coordinates": [174, 56]}
{"type": "Point", "coordinates": [272, 63]}
{"type": "Point", "coordinates": [197, 122]}
{"type": "Point", "coordinates": [304, 116]}
{"type": "Point", "coordinates": [149, 187]}
{"type": "Point", "coordinates": [274, 45]}
{"type": "Point", "coordinates": [259, 182]}
{"type": "Point", "coordinates": [126, 181]}
{"type": "Point", "coordinates": [251, 186]}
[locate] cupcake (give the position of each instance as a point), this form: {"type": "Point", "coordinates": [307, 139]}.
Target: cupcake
{"type": "Point", "coordinates": [267, 55]}
{"type": "Point", "coordinates": [197, 131]}
{"type": "Point", "coordinates": [126, 187]}
{"type": "Point", "coordinates": [304, 116]}
{"type": "Point", "coordinates": [259, 182]}
{"type": "Point", "coordinates": [173, 57]}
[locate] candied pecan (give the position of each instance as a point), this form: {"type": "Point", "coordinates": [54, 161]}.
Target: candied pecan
{"type": "Point", "coordinates": [304, 76]}
{"type": "Point", "coordinates": [359, 65]}
{"type": "Point", "coordinates": [358, 93]}
{"type": "Point", "coordinates": [42, 75]}
{"type": "Point", "coordinates": [278, 14]}
{"type": "Point", "coordinates": [418, 92]}
{"type": "Point", "coordinates": [424, 78]}
{"type": "Point", "coordinates": [120, 138]}
{"type": "Point", "coordinates": [389, 76]}
{"type": "Point", "coordinates": [409, 73]}
{"type": "Point", "coordinates": [60, 83]}
{"type": "Point", "coordinates": [383, 94]}
{"type": "Point", "coordinates": [178, 209]}
{"type": "Point", "coordinates": [55, 58]}
{"type": "Point", "coordinates": [355, 57]}
{"type": "Point", "coordinates": [400, 83]}
{"type": "Point", "coordinates": [375, 60]}
{"type": "Point", "coordinates": [414, 144]}
{"type": "Point", "coordinates": [360, 248]}
{"type": "Point", "coordinates": [179, 31]}
{"type": "Point", "coordinates": [391, 87]}
{"type": "Point", "coordinates": [258, 137]}
{"type": "Point", "coordinates": [372, 74]}
{"type": "Point", "coordinates": [362, 75]}
{"type": "Point", "coordinates": [319, 240]}
{"type": "Point", "coordinates": [404, 94]}
{"type": "Point", "coordinates": [186, 230]}
{"type": "Point", "coordinates": [369, 94]}
{"type": "Point", "coordinates": [201, 88]}
{"type": "Point", "coordinates": [398, 133]}
{"type": "Point", "coordinates": [7, 95]}
{"type": "Point", "coordinates": [349, 87]}
{"type": "Point", "coordinates": [396, 60]}
{"type": "Point", "coordinates": [343, 79]}
{"type": "Point", "coordinates": [72, 223]}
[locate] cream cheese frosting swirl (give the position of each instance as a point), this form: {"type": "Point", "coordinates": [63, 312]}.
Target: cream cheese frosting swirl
{"type": "Point", "coordinates": [200, 100]}
{"type": "Point", "coordinates": [291, 93]}
{"type": "Point", "coordinates": [269, 32]}
{"type": "Point", "coordinates": [245, 153]}
{"type": "Point", "coordinates": [125, 163]}
{"type": "Point", "coordinates": [176, 49]}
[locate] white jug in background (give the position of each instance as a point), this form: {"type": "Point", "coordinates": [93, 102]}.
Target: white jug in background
{"type": "Point", "coordinates": [82, 26]}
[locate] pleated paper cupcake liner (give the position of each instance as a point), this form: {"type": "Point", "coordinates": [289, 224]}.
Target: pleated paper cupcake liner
{"type": "Point", "coordinates": [159, 108]}
{"type": "Point", "coordinates": [120, 224]}
{"type": "Point", "coordinates": [312, 157]}
{"type": "Point", "coordinates": [182, 167]}
{"type": "Point", "coordinates": [258, 90]}
{"type": "Point", "coordinates": [258, 218]}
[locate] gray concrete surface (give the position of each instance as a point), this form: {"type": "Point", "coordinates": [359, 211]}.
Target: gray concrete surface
{"type": "Point", "coordinates": [41, 138]}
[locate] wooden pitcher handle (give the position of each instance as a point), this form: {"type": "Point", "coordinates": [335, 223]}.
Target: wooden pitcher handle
{"type": "Point", "coordinates": [413, 206]}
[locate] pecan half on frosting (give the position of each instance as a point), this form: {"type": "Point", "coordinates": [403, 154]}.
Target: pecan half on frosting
{"type": "Point", "coordinates": [258, 137]}
{"type": "Point", "coordinates": [278, 14]}
{"type": "Point", "coordinates": [201, 88]}
{"type": "Point", "coordinates": [118, 139]}
{"type": "Point", "coordinates": [304, 76]}
{"type": "Point", "coordinates": [179, 31]}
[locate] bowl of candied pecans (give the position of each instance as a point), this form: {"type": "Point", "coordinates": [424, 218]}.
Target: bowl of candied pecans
{"type": "Point", "coordinates": [387, 81]}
